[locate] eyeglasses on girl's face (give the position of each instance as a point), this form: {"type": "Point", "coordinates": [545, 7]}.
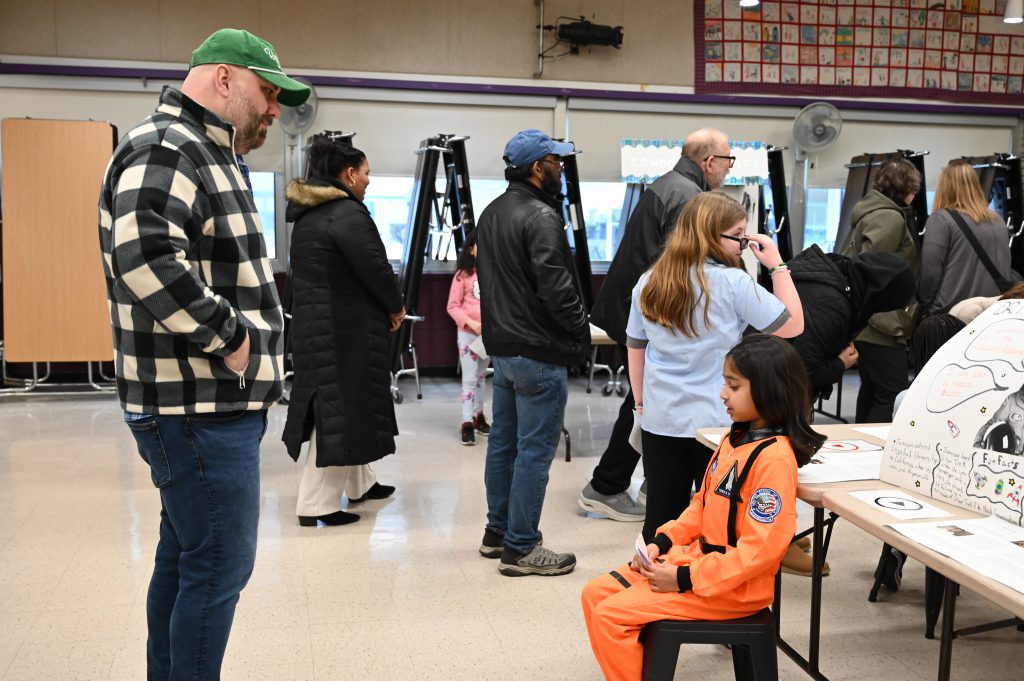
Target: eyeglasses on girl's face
{"type": "Point", "coordinates": [741, 240]}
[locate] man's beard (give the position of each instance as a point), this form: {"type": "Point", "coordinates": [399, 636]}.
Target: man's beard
{"type": "Point", "coordinates": [246, 119]}
{"type": "Point", "coordinates": [552, 182]}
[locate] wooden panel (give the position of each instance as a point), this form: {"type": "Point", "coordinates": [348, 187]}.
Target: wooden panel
{"type": "Point", "coordinates": [55, 305]}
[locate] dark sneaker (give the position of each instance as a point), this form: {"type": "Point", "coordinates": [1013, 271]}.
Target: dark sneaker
{"type": "Point", "coordinates": [468, 439]}
{"type": "Point", "coordinates": [481, 425]}
{"type": "Point", "coordinates": [492, 544]}
{"type": "Point", "coordinates": [616, 506]}
{"type": "Point", "coordinates": [336, 518]}
{"type": "Point", "coordinates": [539, 561]}
{"type": "Point", "coordinates": [377, 491]}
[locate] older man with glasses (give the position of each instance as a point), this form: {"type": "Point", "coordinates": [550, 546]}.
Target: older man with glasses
{"type": "Point", "coordinates": [704, 165]}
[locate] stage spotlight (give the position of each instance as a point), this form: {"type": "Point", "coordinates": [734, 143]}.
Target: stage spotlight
{"type": "Point", "coordinates": [587, 33]}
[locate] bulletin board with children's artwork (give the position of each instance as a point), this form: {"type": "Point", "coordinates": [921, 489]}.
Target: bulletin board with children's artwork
{"type": "Point", "coordinates": [942, 49]}
{"type": "Point", "coordinates": [959, 433]}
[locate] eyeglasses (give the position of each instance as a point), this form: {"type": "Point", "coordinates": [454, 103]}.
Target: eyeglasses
{"type": "Point", "coordinates": [742, 240]}
{"type": "Point", "coordinates": [732, 159]}
{"type": "Point", "coordinates": [560, 164]}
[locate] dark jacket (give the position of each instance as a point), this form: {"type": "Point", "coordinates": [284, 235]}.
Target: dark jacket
{"type": "Point", "coordinates": [880, 224]}
{"type": "Point", "coordinates": [343, 290]}
{"type": "Point", "coordinates": [951, 270]}
{"type": "Point", "coordinates": [643, 239]}
{"type": "Point", "coordinates": [838, 294]}
{"type": "Point", "coordinates": [530, 302]}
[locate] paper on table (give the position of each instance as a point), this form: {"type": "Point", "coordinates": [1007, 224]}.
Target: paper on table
{"type": "Point", "coordinates": [989, 546]}
{"type": "Point", "coordinates": [849, 446]}
{"type": "Point", "coordinates": [900, 504]}
{"type": "Point", "coordinates": [841, 467]}
{"type": "Point", "coordinates": [641, 550]}
{"type": "Point", "coordinates": [881, 432]}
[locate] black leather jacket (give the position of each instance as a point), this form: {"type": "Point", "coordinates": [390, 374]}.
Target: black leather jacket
{"type": "Point", "coordinates": [530, 302]}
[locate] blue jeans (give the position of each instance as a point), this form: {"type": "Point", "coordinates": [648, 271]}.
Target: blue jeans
{"type": "Point", "coordinates": [529, 407]}
{"type": "Point", "coordinates": [207, 468]}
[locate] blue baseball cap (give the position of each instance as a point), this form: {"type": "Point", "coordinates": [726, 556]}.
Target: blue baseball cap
{"type": "Point", "coordinates": [533, 145]}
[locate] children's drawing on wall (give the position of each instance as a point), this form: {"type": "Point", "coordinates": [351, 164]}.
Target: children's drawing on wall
{"type": "Point", "coordinates": [959, 434]}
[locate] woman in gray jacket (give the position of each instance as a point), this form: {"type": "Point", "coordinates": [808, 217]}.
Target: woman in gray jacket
{"type": "Point", "coordinates": [951, 269]}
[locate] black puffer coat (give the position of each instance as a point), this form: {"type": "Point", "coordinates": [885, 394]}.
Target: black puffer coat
{"type": "Point", "coordinates": [343, 289]}
{"type": "Point", "coordinates": [838, 295]}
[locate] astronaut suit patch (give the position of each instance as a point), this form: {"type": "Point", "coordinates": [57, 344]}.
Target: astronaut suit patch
{"type": "Point", "coordinates": [765, 504]}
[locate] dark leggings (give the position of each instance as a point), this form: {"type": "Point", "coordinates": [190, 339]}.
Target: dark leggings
{"type": "Point", "coordinates": [671, 465]}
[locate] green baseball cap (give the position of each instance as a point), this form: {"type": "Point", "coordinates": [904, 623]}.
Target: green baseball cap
{"type": "Point", "coordinates": [241, 48]}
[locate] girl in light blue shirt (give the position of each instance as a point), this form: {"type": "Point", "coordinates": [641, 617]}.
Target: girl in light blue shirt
{"type": "Point", "coordinates": [687, 311]}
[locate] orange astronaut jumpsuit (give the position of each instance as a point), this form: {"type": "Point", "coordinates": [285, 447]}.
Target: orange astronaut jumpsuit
{"type": "Point", "coordinates": [731, 540]}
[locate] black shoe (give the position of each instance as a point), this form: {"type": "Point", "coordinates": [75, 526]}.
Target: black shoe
{"type": "Point", "coordinates": [481, 425]}
{"type": "Point", "coordinates": [378, 491]}
{"type": "Point", "coordinates": [892, 578]}
{"type": "Point", "coordinates": [468, 439]}
{"type": "Point", "coordinates": [492, 544]}
{"type": "Point", "coordinates": [336, 518]}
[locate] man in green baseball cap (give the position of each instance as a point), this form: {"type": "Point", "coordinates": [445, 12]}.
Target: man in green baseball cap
{"type": "Point", "coordinates": [241, 48]}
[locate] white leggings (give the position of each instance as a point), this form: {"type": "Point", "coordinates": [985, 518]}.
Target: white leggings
{"type": "Point", "coordinates": [474, 371]}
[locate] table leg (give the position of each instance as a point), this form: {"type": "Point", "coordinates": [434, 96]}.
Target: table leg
{"type": "Point", "coordinates": [818, 547]}
{"type": "Point", "coordinates": [948, 615]}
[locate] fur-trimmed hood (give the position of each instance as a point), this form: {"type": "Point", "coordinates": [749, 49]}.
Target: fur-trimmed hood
{"type": "Point", "coordinates": [304, 195]}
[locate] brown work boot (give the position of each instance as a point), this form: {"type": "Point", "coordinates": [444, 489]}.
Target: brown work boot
{"type": "Point", "coordinates": [796, 562]}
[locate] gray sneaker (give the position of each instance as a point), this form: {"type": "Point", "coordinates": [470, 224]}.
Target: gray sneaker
{"type": "Point", "coordinates": [616, 506]}
{"type": "Point", "coordinates": [539, 561]}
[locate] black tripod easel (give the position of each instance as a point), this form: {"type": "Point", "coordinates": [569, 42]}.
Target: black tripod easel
{"type": "Point", "coordinates": [438, 221]}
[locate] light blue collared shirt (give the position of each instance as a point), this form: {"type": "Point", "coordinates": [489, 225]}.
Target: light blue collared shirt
{"type": "Point", "coordinates": [683, 376]}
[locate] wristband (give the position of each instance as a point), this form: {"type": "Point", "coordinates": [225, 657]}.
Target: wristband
{"type": "Point", "coordinates": [638, 405]}
{"type": "Point", "coordinates": [781, 267]}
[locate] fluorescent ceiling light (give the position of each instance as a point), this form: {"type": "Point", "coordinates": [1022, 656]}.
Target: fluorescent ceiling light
{"type": "Point", "coordinates": [1014, 12]}
{"type": "Point", "coordinates": [755, 3]}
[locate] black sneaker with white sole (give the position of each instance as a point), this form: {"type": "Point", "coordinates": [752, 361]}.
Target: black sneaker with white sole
{"type": "Point", "coordinates": [492, 544]}
{"type": "Point", "coordinates": [539, 561]}
{"type": "Point", "coordinates": [468, 438]}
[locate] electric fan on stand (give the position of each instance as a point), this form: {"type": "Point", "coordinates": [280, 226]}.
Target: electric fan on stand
{"type": "Point", "coordinates": [814, 128]}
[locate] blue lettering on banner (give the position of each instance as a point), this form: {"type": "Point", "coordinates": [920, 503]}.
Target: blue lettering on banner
{"type": "Point", "coordinates": [765, 504]}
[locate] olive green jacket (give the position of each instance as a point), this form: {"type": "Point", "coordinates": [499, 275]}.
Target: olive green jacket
{"type": "Point", "coordinates": [880, 224]}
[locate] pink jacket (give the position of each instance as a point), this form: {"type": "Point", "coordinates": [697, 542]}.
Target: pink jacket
{"type": "Point", "coordinates": [464, 300]}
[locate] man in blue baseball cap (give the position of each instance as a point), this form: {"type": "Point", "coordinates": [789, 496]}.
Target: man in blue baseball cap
{"type": "Point", "coordinates": [534, 326]}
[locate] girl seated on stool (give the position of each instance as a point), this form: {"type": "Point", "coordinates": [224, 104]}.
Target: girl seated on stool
{"type": "Point", "coordinates": [718, 560]}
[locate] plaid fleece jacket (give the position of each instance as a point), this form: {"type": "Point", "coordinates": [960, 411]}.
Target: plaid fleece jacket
{"type": "Point", "coordinates": [186, 268]}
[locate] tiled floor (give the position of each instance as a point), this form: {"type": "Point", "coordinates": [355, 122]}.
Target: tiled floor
{"type": "Point", "coordinates": [402, 594]}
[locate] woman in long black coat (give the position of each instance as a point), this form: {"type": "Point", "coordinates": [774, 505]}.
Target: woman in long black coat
{"type": "Point", "coordinates": [345, 301]}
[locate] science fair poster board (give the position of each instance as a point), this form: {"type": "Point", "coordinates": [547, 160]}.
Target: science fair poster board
{"type": "Point", "coordinates": [959, 433]}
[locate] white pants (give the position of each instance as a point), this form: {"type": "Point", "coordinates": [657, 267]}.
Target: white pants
{"type": "Point", "coordinates": [320, 489]}
{"type": "Point", "coordinates": [474, 373]}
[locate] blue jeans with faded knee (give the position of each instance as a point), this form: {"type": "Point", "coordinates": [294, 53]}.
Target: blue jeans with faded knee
{"type": "Point", "coordinates": [528, 398]}
{"type": "Point", "coordinates": [207, 468]}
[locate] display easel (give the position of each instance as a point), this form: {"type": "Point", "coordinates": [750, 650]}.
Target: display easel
{"type": "Point", "coordinates": [55, 303]}
{"type": "Point", "coordinates": [438, 223]}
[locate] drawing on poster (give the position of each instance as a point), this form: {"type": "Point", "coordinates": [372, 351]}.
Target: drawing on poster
{"type": "Point", "coordinates": [960, 435]}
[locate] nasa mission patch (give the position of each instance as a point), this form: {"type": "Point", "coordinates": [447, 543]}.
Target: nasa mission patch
{"type": "Point", "coordinates": [765, 504]}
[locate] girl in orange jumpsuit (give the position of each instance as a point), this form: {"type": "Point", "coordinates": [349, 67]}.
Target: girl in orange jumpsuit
{"type": "Point", "coordinates": [718, 560]}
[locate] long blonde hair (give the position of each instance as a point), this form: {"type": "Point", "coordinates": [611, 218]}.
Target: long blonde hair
{"type": "Point", "coordinates": [669, 298]}
{"type": "Point", "coordinates": [958, 189]}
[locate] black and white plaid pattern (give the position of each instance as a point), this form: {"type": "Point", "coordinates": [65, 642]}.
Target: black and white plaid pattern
{"type": "Point", "coordinates": [186, 268]}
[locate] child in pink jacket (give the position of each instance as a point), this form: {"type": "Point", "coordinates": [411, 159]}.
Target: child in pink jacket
{"type": "Point", "coordinates": [464, 308]}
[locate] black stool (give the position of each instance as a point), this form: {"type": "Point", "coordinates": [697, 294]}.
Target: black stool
{"type": "Point", "coordinates": [752, 640]}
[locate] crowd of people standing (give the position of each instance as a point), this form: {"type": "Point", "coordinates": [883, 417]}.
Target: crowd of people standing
{"type": "Point", "coordinates": [199, 339]}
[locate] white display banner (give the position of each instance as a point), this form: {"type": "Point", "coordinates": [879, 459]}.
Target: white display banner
{"type": "Point", "coordinates": [643, 161]}
{"type": "Point", "coordinates": [959, 433]}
